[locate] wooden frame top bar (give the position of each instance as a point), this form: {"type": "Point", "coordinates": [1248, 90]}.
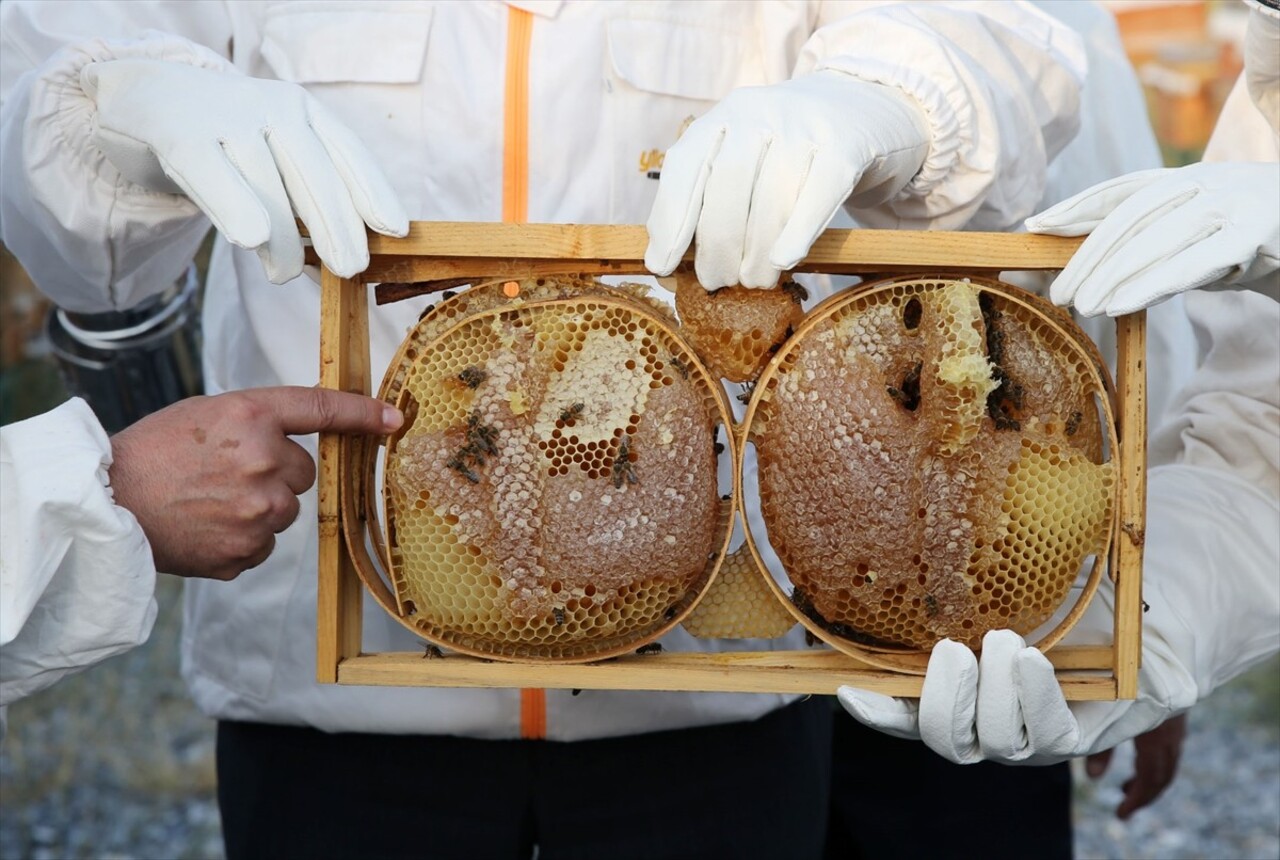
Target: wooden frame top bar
{"type": "Point", "coordinates": [834, 250]}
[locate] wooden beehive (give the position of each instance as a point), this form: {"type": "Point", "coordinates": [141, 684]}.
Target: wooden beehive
{"type": "Point", "coordinates": [442, 255]}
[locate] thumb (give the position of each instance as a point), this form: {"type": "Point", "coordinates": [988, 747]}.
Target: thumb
{"type": "Point", "coordinates": [1082, 213]}
{"type": "Point", "coordinates": [302, 410]}
{"type": "Point", "coordinates": [895, 717]}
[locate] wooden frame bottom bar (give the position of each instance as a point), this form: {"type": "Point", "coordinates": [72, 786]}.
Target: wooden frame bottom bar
{"type": "Point", "coordinates": [1081, 672]}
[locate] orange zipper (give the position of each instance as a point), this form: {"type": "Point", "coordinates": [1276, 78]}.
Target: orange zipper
{"type": "Point", "coordinates": [515, 210]}
{"type": "Point", "coordinates": [515, 144]}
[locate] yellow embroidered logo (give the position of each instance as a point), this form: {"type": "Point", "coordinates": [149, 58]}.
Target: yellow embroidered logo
{"type": "Point", "coordinates": [651, 160]}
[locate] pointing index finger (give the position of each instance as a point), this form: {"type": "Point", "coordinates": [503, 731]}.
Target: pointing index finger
{"type": "Point", "coordinates": [301, 411]}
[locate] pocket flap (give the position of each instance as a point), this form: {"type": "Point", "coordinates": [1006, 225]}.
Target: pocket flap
{"type": "Point", "coordinates": [318, 43]}
{"type": "Point", "coordinates": [675, 58]}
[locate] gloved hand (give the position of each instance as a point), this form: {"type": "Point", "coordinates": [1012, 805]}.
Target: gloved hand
{"type": "Point", "coordinates": [1009, 708]}
{"type": "Point", "coordinates": [250, 153]}
{"type": "Point", "coordinates": [1160, 232]}
{"type": "Point", "coordinates": [761, 174]}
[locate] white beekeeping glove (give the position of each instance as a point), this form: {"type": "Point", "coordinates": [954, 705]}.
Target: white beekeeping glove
{"type": "Point", "coordinates": [1008, 707]}
{"type": "Point", "coordinates": [250, 153]}
{"type": "Point", "coordinates": [1160, 232]}
{"type": "Point", "coordinates": [760, 175]}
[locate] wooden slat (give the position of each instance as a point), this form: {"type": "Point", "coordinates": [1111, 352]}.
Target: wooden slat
{"type": "Point", "coordinates": [344, 366]}
{"type": "Point", "coordinates": [802, 672]}
{"type": "Point", "coordinates": [1073, 657]}
{"type": "Point", "coordinates": [1131, 392]}
{"type": "Point", "coordinates": [446, 249]}
{"type": "Point", "coordinates": [627, 243]}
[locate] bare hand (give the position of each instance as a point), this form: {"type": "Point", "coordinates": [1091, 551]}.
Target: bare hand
{"type": "Point", "coordinates": [212, 480]}
{"type": "Point", "coordinates": [1155, 764]}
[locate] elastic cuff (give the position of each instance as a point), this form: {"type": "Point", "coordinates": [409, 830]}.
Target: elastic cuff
{"type": "Point", "coordinates": [944, 125]}
{"type": "Point", "coordinates": [62, 118]}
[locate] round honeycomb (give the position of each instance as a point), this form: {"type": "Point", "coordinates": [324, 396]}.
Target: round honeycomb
{"type": "Point", "coordinates": [553, 494]}
{"type": "Point", "coordinates": [931, 464]}
{"type": "Point", "coordinates": [734, 329]}
{"type": "Point", "coordinates": [739, 604]}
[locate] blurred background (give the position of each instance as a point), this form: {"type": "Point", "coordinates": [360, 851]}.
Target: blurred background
{"type": "Point", "coordinates": [116, 762]}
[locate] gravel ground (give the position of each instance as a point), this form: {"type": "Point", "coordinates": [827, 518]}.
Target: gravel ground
{"type": "Point", "coordinates": [115, 763]}
{"type": "Point", "coordinates": [1225, 801]}
{"type": "Point", "coordinates": [112, 763]}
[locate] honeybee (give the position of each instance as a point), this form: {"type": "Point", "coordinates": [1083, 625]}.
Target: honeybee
{"type": "Point", "coordinates": [572, 413]}
{"type": "Point", "coordinates": [458, 465]}
{"type": "Point", "coordinates": [472, 377]}
{"type": "Point", "coordinates": [909, 393]}
{"type": "Point", "coordinates": [1073, 422]}
{"type": "Point", "coordinates": [930, 605]}
{"type": "Point", "coordinates": [623, 470]}
{"type": "Point", "coordinates": [651, 648]}
{"type": "Point", "coordinates": [432, 652]}
{"type": "Point", "coordinates": [797, 292]}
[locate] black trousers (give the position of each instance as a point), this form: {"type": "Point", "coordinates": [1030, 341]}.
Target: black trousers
{"type": "Point", "coordinates": [744, 790]}
{"type": "Point", "coordinates": [892, 798]}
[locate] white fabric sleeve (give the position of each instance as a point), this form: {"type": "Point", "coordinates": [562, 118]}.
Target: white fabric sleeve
{"type": "Point", "coordinates": [1211, 566]}
{"type": "Point", "coordinates": [91, 240]}
{"type": "Point", "coordinates": [999, 84]}
{"type": "Point", "coordinates": [1213, 499]}
{"type": "Point", "coordinates": [1212, 593]}
{"type": "Point", "coordinates": [77, 580]}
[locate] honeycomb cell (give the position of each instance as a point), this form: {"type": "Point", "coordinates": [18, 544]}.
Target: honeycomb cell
{"type": "Point", "coordinates": [739, 604]}
{"type": "Point", "coordinates": [554, 494]}
{"type": "Point", "coordinates": [931, 464]}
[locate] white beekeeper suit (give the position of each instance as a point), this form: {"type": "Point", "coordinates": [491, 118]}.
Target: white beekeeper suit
{"type": "Point", "coordinates": [981, 97]}
{"type": "Point", "coordinates": [1212, 547]}
{"type": "Point", "coordinates": [76, 575]}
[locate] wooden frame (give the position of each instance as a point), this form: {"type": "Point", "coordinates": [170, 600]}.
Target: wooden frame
{"type": "Point", "coordinates": [450, 254]}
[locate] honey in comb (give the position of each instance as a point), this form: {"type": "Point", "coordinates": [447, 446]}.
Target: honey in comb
{"type": "Point", "coordinates": [931, 465]}
{"type": "Point", "coordinates": [735, 329]}
{"type": "Point", "coordinates": [556, 496]}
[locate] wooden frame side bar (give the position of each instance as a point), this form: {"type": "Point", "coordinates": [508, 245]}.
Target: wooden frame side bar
{"type": "Point", "coordinates": [1131, 392]}
{"type": "Point", "coordinates": [344, 366]}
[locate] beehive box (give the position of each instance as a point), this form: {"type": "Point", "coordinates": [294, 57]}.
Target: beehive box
{"type": "Point", "coordinates": [440, 255]}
